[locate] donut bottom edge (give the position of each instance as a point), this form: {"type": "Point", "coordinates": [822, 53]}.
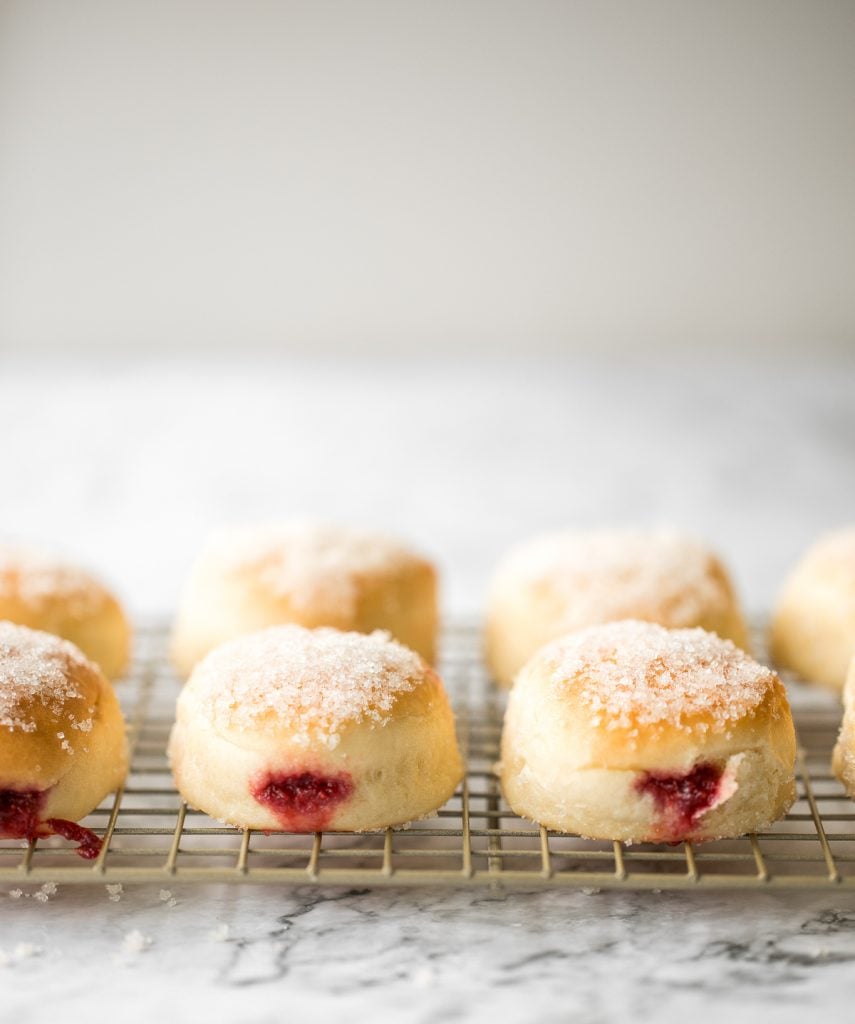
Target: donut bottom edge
{"type": "Point", "coordinates": [711, 799]}
{"type": "Point", "coordinates": [373, 779]}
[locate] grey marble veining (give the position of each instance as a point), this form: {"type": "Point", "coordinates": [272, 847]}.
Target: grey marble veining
{"type": "Point", "coordinates": [126, 466]}
{"type": "Point", "coordinates": [264, 954]}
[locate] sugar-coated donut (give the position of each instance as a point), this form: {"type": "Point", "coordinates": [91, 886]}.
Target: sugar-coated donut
{"type": "Point", "coordinates": [813, 625]}
{"type": "Point", "coordinates": [43, 592]}
{"type": "Point", "coordinates": [634, 732]}
{"type": "Point", "coordinates": [843, 759]}
{"type": "Point", "coordinates": [62, 738]}
{"type": "Point", "coordinates": [306, 730]}
{"type": "Point", "coordinates": [305, 573]}
{"type": "Point", "coordinates": [560, 582]}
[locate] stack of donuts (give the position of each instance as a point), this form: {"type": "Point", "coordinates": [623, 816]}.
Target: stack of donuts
{"type": "Point", "coordinates": [635, 713]}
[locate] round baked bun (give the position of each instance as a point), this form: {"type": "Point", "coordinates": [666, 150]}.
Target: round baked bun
{"type": "Point", "coordinates": [557, 583]}
{"type": "Point", "coordinates": [843, 759]}
{"type": "Point", "coordinates": [302, 730]}
{"type": "Point", "coordinates": [305, 573]}
{"type": "Point", "coordinates": [813, 625]}
{"type": "Point", "coordinates": [62, 738]}
{"type": "Point", "coordinates": [634, 732]}
{"type": "Point", "coordinates": [43, 592]}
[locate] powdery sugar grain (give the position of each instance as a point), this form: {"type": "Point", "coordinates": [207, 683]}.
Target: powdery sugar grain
{"type": "Point", "coordinates": [39, 669]}
{"type": "Point", "coordinates": [640, 673]}
{"type": "Point", "coordinates": [313, 565]}
{"type": "Point", "coordinates": [313, 681]}
{"type": "Point", "coordinates": [37, 580]}
{"type": "Point", "coordinates": [605, 575]}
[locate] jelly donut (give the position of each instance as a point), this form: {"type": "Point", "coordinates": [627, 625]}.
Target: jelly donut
{"type": "Point", "coordinates": [634, 732]}
{"type": "Point", "coordinates": [303, 730]}
{"type": "Point", "coordinates": [62, 738]}
{"type": "Point", "coordinates": [843, 759]}
{"type": "Point", "coordinates": [557, 583]}
{"type": "Point", "coordinates": [813, 625]}
{"type": "Point", "coordinates": [42, 592]}
{"type": "Point", "coordinates": [313, 575]}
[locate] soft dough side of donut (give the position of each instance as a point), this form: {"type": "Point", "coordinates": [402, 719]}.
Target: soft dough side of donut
{"type": "Point", "coordinates": [813, 629]}
{"type": "Point", "coordinates": [76, 768]}
{"type": "Point", "coordinates": [843, 758]}
{"type": "Point", "coordinates": [399, 771]}
{"type": "Point", "coordinates": [216, 608]}
{"type": "Point", "coordinates": [558, 770]}
{"type": "Point", "coordinates": [103, 633]}
{"type": "Point", "coordinates": [526, 613]}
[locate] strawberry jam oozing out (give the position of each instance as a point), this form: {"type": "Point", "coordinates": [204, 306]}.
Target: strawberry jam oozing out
{"type": "Point", "coordinates": [20, 812]}
{"type": "Point", "coordinates": [303, 801]}
{"type": "Point", "coordinates": [20, 818]}
{"type": "Point", "coordinates": [682, 798]}
{"type": "Point", "coordinates": [90, 844]}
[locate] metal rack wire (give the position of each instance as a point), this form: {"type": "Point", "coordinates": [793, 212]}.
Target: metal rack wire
{"type": "Point", "coordinates": [150, 834]}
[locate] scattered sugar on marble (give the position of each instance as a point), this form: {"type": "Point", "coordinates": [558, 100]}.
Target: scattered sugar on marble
{"type": "Point", "coordinates": [41, 895]}
{"type": "Point", "coordinates": [423, 977]}
{"type": "Point", "coordinates": [638, 673]}
{"type": "Point", "coordinates": [26, 950]}
{"type": "Point", "coordinates": [135, 942]}
{"type": "Point", "coordinates": [115, 891]}
{"type": "Point", "coordinates": [21, 951]}
{"type": "Point", "coordinates": [316, 680]}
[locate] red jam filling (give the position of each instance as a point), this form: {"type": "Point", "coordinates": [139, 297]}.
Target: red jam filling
{"type": "Point", "coordinates": [20, 812]}
{"type": "Point", "coordinates": [90, 844]}
{"type": "Point", "coordinates": [303, 801]}
{"type": "Point", "coordinates": [20, 818]}
{"type": "Point", "coordinates": [682, 798]}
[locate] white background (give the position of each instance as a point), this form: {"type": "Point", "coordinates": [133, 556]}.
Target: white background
{"type": "Point", "coordinates": [422, 177]}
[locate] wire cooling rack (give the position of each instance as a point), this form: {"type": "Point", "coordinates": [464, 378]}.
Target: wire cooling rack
{"type": "Point", "coordinates": [150, 834]}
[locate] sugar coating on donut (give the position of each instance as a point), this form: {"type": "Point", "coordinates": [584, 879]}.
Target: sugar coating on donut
{"type": "Point", "coordinates": [638, 673]}
{"type": "Point", "coordinates": [314, 680]}
{"type": "Point", "coordinates": [611, 574]}
{"type": "Point", "coordinates": [38, 668]}
{"type": "Point", "coordinates": [36, 579]}
{"type": "Point", "coordinates": [311, 564]}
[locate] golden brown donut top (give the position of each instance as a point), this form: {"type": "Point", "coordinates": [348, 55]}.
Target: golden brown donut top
{"type": "Point", "coordinates": [312, 564]}
{"type": "Point", "coordinates": [35, 580]}
{"type": "Point", "coordinates": [310, 682]}
{"type": "Point", "coordinates": [604, 575]}
{"type": "Point", "coordinates": [628, 674]}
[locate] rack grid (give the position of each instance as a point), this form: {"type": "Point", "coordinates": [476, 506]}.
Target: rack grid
{"type": "Point", "coordinates": [150, 834]}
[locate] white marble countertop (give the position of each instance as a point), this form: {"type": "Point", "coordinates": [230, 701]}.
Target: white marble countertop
{"type": "Point", "coordinates": [125, 465]}
{"type": "Point", "coordinates": [265, 954]}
